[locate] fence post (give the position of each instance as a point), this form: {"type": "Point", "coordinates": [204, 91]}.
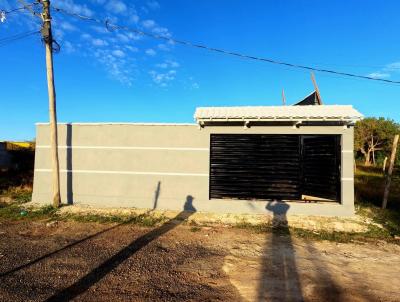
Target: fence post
{"type": "Point", "coordinates": [390, 171]}
{"type": "Point", "coordinates": [384, 165]}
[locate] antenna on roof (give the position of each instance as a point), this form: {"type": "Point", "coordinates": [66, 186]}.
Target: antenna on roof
{"type": "Point", "coordinates": [283, 97]}
{"type": "Point", "coordinates": [319, 99]}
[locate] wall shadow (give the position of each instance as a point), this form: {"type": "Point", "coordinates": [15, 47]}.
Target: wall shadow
{"type": "Point", "coordinates": [279, 280]}
{"type": "Point", "coordinates": [70, 191]}
{"type": "Point", "coordinates": [98, 273]}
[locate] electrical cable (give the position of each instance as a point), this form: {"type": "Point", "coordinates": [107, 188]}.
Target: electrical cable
{"type": "Point", "coordinates": [8, 40]}
{"type": "Point", "coordinates": [112, 27]}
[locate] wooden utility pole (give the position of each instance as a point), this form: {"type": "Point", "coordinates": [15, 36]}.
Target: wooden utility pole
{"type": "Point", "coordinates": [283, 98]}
{"type": "Point", "coordinates": [316, 89]}
{"type": "Point", "coordinates": [390, 171]}
{"type": "Point", "coordinates": [48, 40]}
{"type": "Point", "coordinates": [373, 150]}
{"type": "Point", "coordinates": [384, 165]}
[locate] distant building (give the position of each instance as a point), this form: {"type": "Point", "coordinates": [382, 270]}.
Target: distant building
{"type": "Point", "coordinates": [5, 156]}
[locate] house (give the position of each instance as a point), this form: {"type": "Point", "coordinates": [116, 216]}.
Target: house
{"type": "Point", "coordinates": [232, 160]}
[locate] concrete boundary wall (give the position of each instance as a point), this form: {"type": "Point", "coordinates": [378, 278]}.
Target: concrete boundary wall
{"type": "Point", "coordinates": [161, 166]}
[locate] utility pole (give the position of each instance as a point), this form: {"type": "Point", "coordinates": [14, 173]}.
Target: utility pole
{"type": "Point", "coordinates": [283, 98]}
{"type": "Point", "coordinates": [319, 99]}
{"type": "Point", "coordinates": [48, 40]}
{"type": "Point", "coordinates": [390, 171]}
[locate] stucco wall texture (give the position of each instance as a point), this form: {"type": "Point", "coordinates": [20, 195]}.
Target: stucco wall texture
{"type": "Point", "coordinates": [161, 166]}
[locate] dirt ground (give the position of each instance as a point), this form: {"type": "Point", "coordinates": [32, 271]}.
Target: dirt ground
{"type": "Point", "coordinates": [177, 262]}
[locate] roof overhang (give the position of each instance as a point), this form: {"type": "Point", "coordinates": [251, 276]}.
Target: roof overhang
{"type": "Point", "coordinates": [342, 114]}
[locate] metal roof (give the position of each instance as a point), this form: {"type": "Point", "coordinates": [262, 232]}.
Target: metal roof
{"type": "Point", "coordinates": [276, 113]}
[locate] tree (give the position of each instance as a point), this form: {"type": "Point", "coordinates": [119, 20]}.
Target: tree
{"type": "Point", "coordinates": [374, 134]}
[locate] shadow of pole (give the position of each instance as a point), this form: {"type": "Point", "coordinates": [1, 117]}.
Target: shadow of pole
{"type": "Point", "coordinates": [279, 280]}
{"type": "Point", "coordinates": [157, 195]}
{"type": "Point", "coordinates": [98, 273]}
{"type": "Point", "coordinates": [26, 265]}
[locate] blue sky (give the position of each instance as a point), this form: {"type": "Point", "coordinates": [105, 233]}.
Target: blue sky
{"type": "Point", "coordinates": [104, 76]}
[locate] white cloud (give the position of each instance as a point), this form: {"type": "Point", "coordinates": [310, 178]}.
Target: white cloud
{"type": "Point", "coordinates": [162, 65]}
{"type": "Point", "coordinates": [379, 75]}
{"type": "Point", "coordinates": [86, 36]}
{"type": "Point", "coordinates": [134, 18]}
{"type": "Point", "coordinates": [116, 6]}
{"type": "Point", "coordinates": [69, 48]}
{"type": "Point", "coordinates": [100, 29]}
{"type": "Point", "coordinates": [122, 37]}
{"type": "Point", "coordinates": [71, 6]}
{"type": "Point", "coordinates": [162, 78]}
{"type": "Point", "coordinates": [162, 31]}
{"type": "Point", "coordinates": [68, 26]}
{"type": "Point", "coordinates": [99, 42]}
{"type": "Point", "coordinates": [131, 48]}
{"type": "Point", "coordinates": [150, 52]}
{"type": "Point", "coordinates": [118, 53]}
{"type": "Point", "coordinates": [163, 47]}
{"type": "Point", "coordinates": [168, 64]}
{"type": "Point", "coordinates": [393, 67]}
{"type": "Point", "coordinates": [195, 86]}
{"type": "Point", "coordinates": [58, 33]}
{"type": "Point", "coordinates": [134, 36]}
{"type": "Point", "coordinates": [149, 23]}
{"type": "Point", "coordinates": [173, 64]}
{"type": "Point", "coordinates": [387, 71]}
{"type": "Point", "coordinates": [111, 49]}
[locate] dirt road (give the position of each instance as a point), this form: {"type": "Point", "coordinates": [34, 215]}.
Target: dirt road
{"type": "Point", "coordinates": [176, 262]}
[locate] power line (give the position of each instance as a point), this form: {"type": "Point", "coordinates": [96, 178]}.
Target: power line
{"type": "Point", "coordinates": [13, 10]}
{"type": "Point", "coordinates": [8, 40]}
{"type": "Point", "coordinates": [111, 27]}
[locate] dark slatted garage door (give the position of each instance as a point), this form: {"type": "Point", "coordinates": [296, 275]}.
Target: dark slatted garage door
{"type": "Point", "coordinates": [269, 166]}
{"type": "Point", "coordinates": [254, 166]}
{"type": "Point", "coordinates": [321, 166]}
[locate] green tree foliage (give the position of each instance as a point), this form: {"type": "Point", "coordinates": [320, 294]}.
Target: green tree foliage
{"type": "Point", "coordinates": [374, 136]}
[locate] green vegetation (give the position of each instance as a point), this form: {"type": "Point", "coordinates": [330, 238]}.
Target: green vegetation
{"type": "Point", "coordinates": [17, 212]}
{"type": "Point", "coordinates": [369, 186]}
{"type": "Point", "coordinates": [374, 136]}
{"type": "Point", "coordinates": [195, 229]}
{"type": "Point", "coordinates": [146, 219]}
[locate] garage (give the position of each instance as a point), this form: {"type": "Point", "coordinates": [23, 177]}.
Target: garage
{"type": "Point", "coordinates": [273, 166]}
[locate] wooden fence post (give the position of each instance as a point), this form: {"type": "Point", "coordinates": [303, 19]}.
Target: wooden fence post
{"type": "Point", "coordinates": [390, 171]}
{"type": "Point", "coordinates": [384, 165]}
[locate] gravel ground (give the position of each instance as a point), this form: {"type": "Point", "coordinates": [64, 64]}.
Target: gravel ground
{"type": "Point", "coordinates": [76, 261]}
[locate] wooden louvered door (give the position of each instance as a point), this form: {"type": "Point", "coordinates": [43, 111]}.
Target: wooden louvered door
{"type": "Point", "coordinates": [321, 166]}
{"type": "Point", "coordinates": [272, 166]}
{"type": "Point", "coordinates": [255, 166]}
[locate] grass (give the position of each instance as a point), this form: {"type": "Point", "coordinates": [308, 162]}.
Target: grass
{"type": "Point", "coordinates": [146, 220]}
{"type": "Point", "coordinates": [374, 233]}
{"type": "Point", "coordinates": [369, 187]}
{"type": "Point", "coordinates": [16, 211]}
{"type": "Point", "coordinates": [16, 185]}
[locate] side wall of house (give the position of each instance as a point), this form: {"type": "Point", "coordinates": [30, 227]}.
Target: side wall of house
{"type": "Point", "coordinates": [159, 166]}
